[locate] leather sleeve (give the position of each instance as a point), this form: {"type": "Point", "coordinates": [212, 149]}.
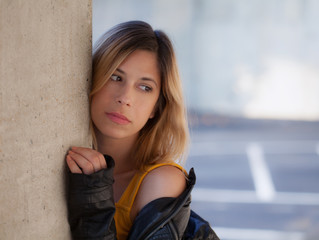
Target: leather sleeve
{"type": "Point", "coordinates": [198, 228]}
{"type": "Point", "coordinates": [91, 206]}
{"type": "Point", "coordinates": [160, 220]}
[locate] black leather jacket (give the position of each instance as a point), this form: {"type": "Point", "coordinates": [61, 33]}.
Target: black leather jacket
{"type": "Point", "coordinates": [91, 209]}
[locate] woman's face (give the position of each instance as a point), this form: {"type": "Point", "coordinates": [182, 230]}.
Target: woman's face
{"type": "Point", "coordinates": [126, 102]}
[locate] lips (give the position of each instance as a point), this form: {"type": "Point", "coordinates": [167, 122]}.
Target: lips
{"type": "Point", "coordinates": [118, 118]}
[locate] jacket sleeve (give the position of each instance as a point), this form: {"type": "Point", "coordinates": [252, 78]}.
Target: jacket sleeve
{"type": "Point", "coordinates": [198, 228]}
{"type": "Point", "coordinates": [91, 205]}
{"type": "Point", "coordinates": [158, 220]}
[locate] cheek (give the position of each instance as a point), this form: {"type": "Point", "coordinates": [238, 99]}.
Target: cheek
{"type": "Point", "coordinates": [100, 98]}
{"type": "Point", "coordinates": [96, 104]}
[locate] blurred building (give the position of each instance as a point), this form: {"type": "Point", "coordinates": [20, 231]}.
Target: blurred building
{"type": "Point", "coordinates": [255, 59]}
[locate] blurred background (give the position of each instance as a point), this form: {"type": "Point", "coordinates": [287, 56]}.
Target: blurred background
{"type": "Point", "coordinates": [250, 72]}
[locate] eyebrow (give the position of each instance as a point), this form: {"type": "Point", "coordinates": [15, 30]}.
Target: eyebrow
{"type": "Point", "coordinates": [119, 70]}
{"type": "Point", "coordinates": [143, 78]}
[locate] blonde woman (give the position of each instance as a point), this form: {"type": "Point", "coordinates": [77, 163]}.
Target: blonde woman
{"type": "Point", "coordinates": [130, 186]}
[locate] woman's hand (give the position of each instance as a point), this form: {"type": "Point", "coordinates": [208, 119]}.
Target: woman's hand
{"type": "Point", "coordinates": [85, 160]}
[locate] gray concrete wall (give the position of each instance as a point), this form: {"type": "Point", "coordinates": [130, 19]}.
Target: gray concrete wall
{"type": "Point", "coordinates": [45, 66]}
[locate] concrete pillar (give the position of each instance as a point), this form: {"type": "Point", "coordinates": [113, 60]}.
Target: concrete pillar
{"type": "Point", "coordinates": [45, 69]}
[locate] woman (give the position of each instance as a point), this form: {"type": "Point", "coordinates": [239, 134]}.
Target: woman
{"type": "Point", "coordinates": [137, 119]}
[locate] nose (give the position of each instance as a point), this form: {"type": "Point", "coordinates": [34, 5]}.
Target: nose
{"type": "Point", "coordinates": [124, 96]}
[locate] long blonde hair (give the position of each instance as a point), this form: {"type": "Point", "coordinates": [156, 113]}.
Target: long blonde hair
{"type": "Point", "coordinates": [164, 138]}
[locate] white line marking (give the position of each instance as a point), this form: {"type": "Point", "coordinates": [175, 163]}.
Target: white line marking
{"type": "Point", "coordinates": [212, 148]}
{"type": "Point", "coordinates": [236, 196]}
{"type": "Point", "coordinates": [256, 234]}
{"type": "Point", "coordinates": [265, 189]}
{"type": "Point", "coordinates": [226, 196]}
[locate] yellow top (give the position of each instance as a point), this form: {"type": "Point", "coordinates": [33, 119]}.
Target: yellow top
{"type": "Point", "coordinates": [123, 207]}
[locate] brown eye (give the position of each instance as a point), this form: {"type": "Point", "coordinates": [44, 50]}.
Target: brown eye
{"type": "Point", "coordinates": [146, 88]}
{"type": "Point", "coordinates": [116, 78]}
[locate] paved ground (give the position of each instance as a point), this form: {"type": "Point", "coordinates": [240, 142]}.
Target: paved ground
{"type": "Point", "coordinates": [257, 179]}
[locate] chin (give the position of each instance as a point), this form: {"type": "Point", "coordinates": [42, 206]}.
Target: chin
{"type": "Point", "coordinates": [116, 134]}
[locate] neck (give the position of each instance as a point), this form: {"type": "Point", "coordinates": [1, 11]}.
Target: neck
{"type": "Point", "coordinates": [120, 150]}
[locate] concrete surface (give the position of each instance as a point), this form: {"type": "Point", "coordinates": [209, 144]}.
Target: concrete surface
{"type": "Point", "coordinates": [45, 68]}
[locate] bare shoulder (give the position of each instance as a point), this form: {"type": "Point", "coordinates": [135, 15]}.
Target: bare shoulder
{"type": "Point", "coordinates": [164, 181]}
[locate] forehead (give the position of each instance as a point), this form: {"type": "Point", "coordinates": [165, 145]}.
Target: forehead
{"type": "Point", "coordinates": [142, 63]}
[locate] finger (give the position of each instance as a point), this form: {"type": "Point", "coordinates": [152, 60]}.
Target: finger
{"type": "Point", "coordinates": [90, 155]}
{"type": "Point", "coordinates": [74, 168]}
{"type": "Point", "coordinates": [102, 161]}
{"type": "Point", "coordinates": [96, 158]}
{"type": "Point", "coordinates": [86, 166]}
